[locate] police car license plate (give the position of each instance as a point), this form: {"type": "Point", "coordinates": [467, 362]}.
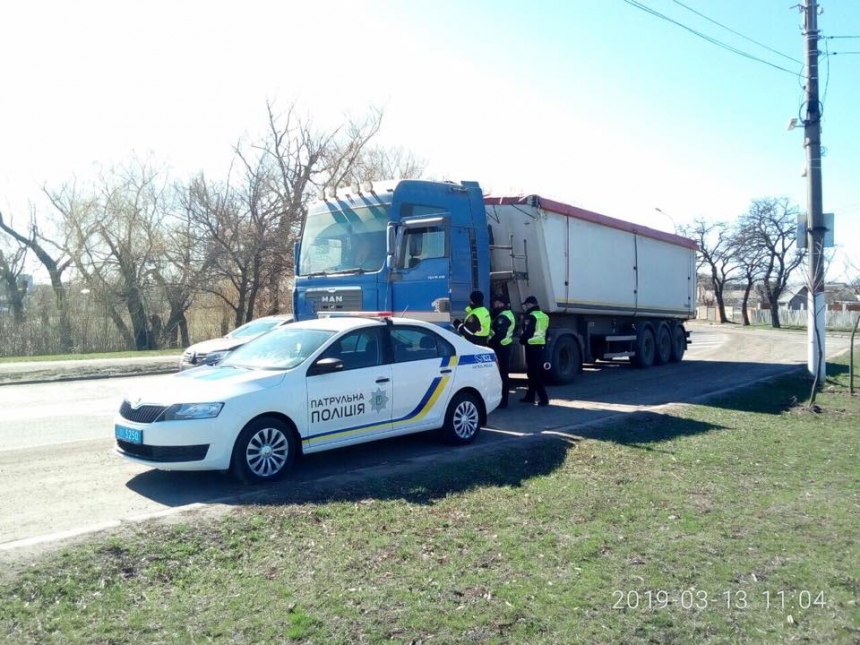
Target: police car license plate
{"type": "Point", "coordinates": [128, 434]}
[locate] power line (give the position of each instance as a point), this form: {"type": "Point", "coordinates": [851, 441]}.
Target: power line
{"type": "Point", "coordinates": [843, 53]}
{"type": "Point", "coordinates": [736, 33]}
{"type": "Point", "coordinates": [850, 208]}
{"type": "Point", "coordinates": [711, 40]}
{"type": "Point", "coordinates": [831, 37]}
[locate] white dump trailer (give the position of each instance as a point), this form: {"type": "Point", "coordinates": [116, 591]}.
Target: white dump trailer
{"type": "Point", "coordinates": [612, 288]}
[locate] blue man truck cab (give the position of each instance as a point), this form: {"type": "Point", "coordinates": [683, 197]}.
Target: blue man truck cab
{"type": "Point", "coordinates": [417, 248]}
{"type": "Point", "coordinates": [612, 289]}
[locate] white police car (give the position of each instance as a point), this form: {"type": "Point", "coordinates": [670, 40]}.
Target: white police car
{"type": "Point", "coordinates": [311, 386]}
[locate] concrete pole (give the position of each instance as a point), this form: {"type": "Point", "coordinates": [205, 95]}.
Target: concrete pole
{"type": "Point", "coordinates": [814, 214]}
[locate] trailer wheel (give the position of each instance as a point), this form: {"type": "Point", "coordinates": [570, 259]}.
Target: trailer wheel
{"type": "Point", "coordinates": [645, 348]}
{"type": "Point", "coordinates": [565, 360]}
{"type": "Point", "coordinates": [679, 343]}
{"type": "Point", "coordinates": [664, 345]}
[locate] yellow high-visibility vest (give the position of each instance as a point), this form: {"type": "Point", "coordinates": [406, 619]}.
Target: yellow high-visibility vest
{"type": "Point", "coordinates": [509, 337]}
{"type": "Point", "coordinates": [483, 316]}
{"type": "Point", "coordinates": [541, 325]}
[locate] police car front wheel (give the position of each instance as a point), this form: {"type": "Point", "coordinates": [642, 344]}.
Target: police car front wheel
{"type": "Point", "coordinates": [462, 420]}
{"type": "Point", "coordinates": [265, 450]}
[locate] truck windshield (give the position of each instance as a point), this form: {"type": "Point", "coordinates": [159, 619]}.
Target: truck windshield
{"type": "Point", "coordinates": [341, 238]}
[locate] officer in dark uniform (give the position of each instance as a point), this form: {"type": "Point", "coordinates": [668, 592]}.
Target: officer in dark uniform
{"type": "Point", "coordinates": [534, 339]}
{"type": "Point", "coordinates": [476, 327]}
{"type": "Point", "coordinates": [503, 335]}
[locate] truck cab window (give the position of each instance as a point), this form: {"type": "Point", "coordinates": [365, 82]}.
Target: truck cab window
{"type": "Point", "coordinates": [420, 243]}
{"type": "Point", "coordinates": [342, 238]}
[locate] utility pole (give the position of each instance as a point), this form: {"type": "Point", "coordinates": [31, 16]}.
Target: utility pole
{"type": "Point", "coordinates": [671, 219]}
{"type": "Point", "coordinates": [814, 216]}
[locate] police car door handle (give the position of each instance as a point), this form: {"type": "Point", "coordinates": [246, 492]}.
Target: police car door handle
{"type": "Point", "coordinates": [382, 380]}
{"type": "Point", "coordinates": [445, 371]}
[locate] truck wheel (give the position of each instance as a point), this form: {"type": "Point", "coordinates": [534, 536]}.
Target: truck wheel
{"type": "Point", "coordinates": [645, 348]}
{"type": "Point", "coordinates": [462, 420]}
{"type": "Point", "coordinates": [679, 343]}
{"type": "Point", "coordinates": [565, 360]}
{"type": "Point", "coordinates": [664, 345]}
{"type": "Point", "coordinates": [265, 451]}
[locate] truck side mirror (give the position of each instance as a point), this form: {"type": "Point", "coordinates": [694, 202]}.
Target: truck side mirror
{"type": "Point", "coordinates": [390, 239]}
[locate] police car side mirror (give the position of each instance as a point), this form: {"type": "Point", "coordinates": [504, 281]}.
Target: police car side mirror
{"type": "Point", "coordinates": [326, 366]}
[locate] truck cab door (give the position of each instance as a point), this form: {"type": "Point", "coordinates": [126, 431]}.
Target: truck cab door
{"type": "Point", "coordinates": [464, 275]}
{"type": "Point", "coordinates": [422, 266]}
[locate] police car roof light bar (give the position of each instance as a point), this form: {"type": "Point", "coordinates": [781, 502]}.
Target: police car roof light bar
{"type": "Point", "coordinates": [355, 314]}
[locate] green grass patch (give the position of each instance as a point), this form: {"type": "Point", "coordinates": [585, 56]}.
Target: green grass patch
{"type": "Point", "coordinates": [77, 357]}
{"type": "Point", "coordinates": [733, 522]}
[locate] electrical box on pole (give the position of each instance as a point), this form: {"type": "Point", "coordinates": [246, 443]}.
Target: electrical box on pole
{"type": "Point", "coordinates": [803, 231]}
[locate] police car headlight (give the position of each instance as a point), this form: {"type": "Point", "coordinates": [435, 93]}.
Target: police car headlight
{"type": "Point", "coordinates": [186, 411]}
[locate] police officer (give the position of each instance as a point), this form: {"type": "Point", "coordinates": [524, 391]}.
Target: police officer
{"type": "Point", "coordinates": [534, 339]}
{"type": "Point", "coordinates": [476, 326]}
{"type": "Point", "coordinates": [500, 341]}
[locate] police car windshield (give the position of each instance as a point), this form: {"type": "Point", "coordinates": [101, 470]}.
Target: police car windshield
{"type": "Point", "coordinates": [341, 237]}
{"type": "Point", "coordinates": [282, 349]}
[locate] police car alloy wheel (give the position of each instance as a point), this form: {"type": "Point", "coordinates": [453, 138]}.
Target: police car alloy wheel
{"type": "Point", "coordinates": [265, 451]}
{"type": "Point", "coordinates": [463, 419]}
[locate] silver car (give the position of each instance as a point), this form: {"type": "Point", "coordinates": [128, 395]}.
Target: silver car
{"type": "Point", "coordinates": [212, 352]}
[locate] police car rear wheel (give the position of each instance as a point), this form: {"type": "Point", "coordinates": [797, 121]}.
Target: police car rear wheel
{"type": "Point", "coordinates": [463, 419]}
{"type": "Point", "coordinates": [265, 451]}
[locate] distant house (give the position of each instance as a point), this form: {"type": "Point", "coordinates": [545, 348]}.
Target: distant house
{"type": "Point", "coordinates": [794, 299]}
{"type": "Point", "coordinates": [835, 293]}
{"type": "Point", "coordinates": [733, 294]}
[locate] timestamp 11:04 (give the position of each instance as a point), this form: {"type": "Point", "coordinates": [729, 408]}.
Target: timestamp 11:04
{"type": "Point", "coordinates": [781, 600]}
{"type": "Point", "coordinates": [699, 599]}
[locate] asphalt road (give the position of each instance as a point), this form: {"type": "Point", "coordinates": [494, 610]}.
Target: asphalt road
{"type": "Point", "coordinates": [59, 477]}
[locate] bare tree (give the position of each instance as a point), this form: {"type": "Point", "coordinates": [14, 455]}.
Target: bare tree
{"type": "Point", "coordinates": [305, 160]}
{"type": "Point", "coordinates": [54, 265]}
{"type": "Point", "coordinates": [853, 269]}
{"type": "Point", "coordinates": [114, 236]}
{"type": "Point", "coordinates": [716, 255]}
{"type": "Point", "coordinates": [237, 226]}
{"type": "Point", "coordinates": [342, 153]}
{"type": "Point", "coordinates": [145, 251]}
{"type": "Point", "coordinates": [750, 258]}
{"type": "Point", "coordinates": [180, 271]}
{"type": "Point", "coordinates": [378, 163]}
{"type": "Point", "coordinates": [770, 225]}
{"type": "Point", "coordinates": [12, 282]}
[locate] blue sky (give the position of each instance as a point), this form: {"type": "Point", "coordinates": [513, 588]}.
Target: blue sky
{"type": "Point", "coordinates": [594, 102]}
